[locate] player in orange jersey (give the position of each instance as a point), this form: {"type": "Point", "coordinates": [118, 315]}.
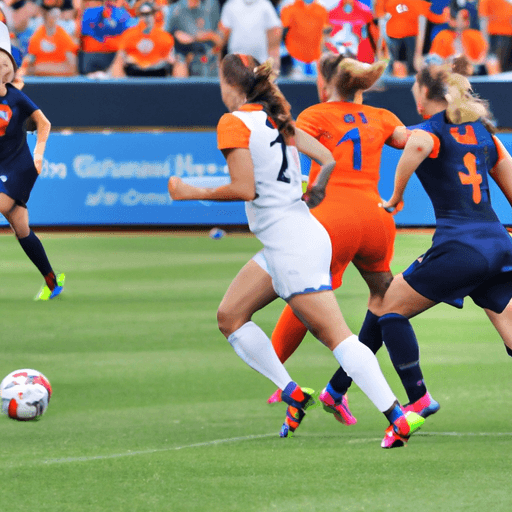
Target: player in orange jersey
{"type": "Point", "coordinates": [361, 232]}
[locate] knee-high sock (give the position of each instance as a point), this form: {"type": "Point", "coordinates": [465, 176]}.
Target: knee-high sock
{"type": "Point", "coordinates": [288, 334]}
{"type": "Point", "coordinates": [371, 336]}
{"type": "Point", "coordinates": [400, 340]}
{"type": "Point", "coordinates": [361, 364]}
{"type": "Point", "coordinates": [253, 346]}
{"type": "Point", "coordinates": [35, 251]}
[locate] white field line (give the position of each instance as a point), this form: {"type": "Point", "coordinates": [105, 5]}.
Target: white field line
{"type": "Point", "coordinates": [256, 436]}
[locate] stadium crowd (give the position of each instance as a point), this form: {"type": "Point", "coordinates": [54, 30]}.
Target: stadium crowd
{"type": "Point", "coordinates": [182, 38]}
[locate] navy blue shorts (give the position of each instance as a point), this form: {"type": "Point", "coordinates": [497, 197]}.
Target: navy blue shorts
{"type": "Point", "coordinates": [18, 176]}
{"type": "Point", "coordinates": [476, 266]}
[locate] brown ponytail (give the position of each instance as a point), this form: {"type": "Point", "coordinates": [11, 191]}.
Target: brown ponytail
{"type": "Point", "coordinates": [256, 81]}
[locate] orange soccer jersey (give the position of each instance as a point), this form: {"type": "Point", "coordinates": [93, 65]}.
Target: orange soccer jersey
{"type": "Point", "coordinates": [306, 23]}
{"type": "Point", "coordinates": [499, 13]}
{"type": "Point", "coordinates": [51, 48]}
{"type": "Point", "coordinates": [146, 50]}
{"type": "Point", "coordinates": [360, 230]}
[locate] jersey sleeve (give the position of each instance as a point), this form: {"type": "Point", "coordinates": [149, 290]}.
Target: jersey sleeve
{"type": "Point", "coordinates": [390, 121]}
{"type": "Point", "coordinates": [25, 104]}
{"type": "Point", "coordinates": [427, 127]}
{"type": "Point", "coordinates": [500, 149]}
{"type": "Point", "coordinates": [286, 15]}
{"type": "Point", "coordinates": [308, 122]}
{"type": "Point", "coordinates": [232, 133]}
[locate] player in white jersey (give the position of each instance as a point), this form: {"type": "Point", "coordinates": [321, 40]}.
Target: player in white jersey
{"type": "Point", "coordinates": [259, 140]}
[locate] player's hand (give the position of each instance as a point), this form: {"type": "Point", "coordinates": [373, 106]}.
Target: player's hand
{"type": "Point", "coordinates": [179, 190]}
{"type": "Point", "coordinates": [38, 163]}
{"type": "Point", "coordinates": [314, 196]}
{"type": "Point", "coordinates": [392, 206]}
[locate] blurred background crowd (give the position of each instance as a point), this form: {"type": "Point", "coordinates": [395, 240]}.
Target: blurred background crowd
{"type": "Point", "coordinates": [186, 38]}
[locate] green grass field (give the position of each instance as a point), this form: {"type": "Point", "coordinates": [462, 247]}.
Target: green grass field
{"type": "Point", "coordinates": [153, 411]}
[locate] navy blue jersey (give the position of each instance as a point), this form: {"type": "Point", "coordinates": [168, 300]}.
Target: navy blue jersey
{"type": "Point", "coordinates": [471, 253]}
{"type": "Point", "coordinates": [17, 171]}
{"type": "Point", "coordinates": [456, 181]}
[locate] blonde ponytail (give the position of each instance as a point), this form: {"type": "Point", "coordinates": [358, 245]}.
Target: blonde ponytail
{"type": "Point", "coordinates": [352, 76]}
{"type": "Point", "coordinates": [463, 105]}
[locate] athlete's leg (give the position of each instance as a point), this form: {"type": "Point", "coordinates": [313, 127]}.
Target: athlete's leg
{"type": "Point", "coordinates": [503, 324]}
{"type": "Point", "coordinates": [288, 334]}
{"type": "Point", "coordinates": [400, 303]}
{"type": "Point", "coordinates": [370, 333]}
{"type": "Point", "coordinates": [17, 216]}
{"type": "Point", "coordinates": [250, 291]}
{"type": "Point", "coordinates": [321, 314]}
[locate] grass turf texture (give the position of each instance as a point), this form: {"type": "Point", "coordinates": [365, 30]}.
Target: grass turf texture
{"type": "Point", "coordinates": [152, 410]}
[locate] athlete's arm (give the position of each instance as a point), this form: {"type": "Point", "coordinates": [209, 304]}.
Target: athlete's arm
{"type": "Point", "coordinates": [399, 137]}
{"type": "Point", "coordinates": [418, 148]}
{"type": "Point", "coordinates": [308, 145]}
{"type": "Point", "coordinates": [241, 187]}
{"type": "Point", "coordinates": [315, 150]}
{"type": "Point", "coordinates": [502, 172]}
{"type": "Point", "coordinates": [43, 127]}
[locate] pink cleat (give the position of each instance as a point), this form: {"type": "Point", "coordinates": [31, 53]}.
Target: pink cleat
{"type": "Point", "coordinates": [275, 397]}
{"type": "Point", "coordinates": [340, 410]}
{"type": "Point", "coordinates": [399, 432]}
{"type": "Point", "coordinates": [425, 406]}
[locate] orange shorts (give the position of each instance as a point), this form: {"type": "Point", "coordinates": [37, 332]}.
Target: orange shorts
{"type": "Point", "coordinates": [360, 232]}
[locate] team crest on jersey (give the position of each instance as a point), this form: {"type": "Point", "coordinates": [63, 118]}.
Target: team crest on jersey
{"type": "Point", "coordinates": [5, 117]}
{"type": "Point", "coordinates": [145, 46]}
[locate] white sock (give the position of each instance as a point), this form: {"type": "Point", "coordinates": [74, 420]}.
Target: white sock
{"type": "Point", "coordinates": [254, 347]}
{"type": "Point", "coordinates": [361, 364]}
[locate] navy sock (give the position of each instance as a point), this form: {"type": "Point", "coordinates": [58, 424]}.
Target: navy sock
{"type": "Point", "coordinates": [509, 350]}
{"type": "Point", "coordinates": [35, 251]}
{"type": "Point", "coordinates": [370, 333]}
{"type": "Point", "coordinates": [394, 414]}
{"type": "Point", "coordinates": [404, 352]}
{"type": "Point", "coordinates": [371, 336]}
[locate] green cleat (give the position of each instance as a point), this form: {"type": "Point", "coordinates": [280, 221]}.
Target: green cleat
{"type": "Point", "coordinates": [46, 294]}
{"type": "Point", "coordinates": [397, 434]}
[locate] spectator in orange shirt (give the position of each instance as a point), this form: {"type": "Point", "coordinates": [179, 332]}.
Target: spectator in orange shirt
{"type": "Point", "coordinates": [304, 26]}
{"type": "Point", "coordinates": [496, 27]}
{"type": "Point", "coordinates": [51, 50]}
{"type": "Point", "coordinates": [146, 49]}
{"type": "Point", "coordinates": [404, 23]}
{"type": "Point", "coordinates": [461, 40]}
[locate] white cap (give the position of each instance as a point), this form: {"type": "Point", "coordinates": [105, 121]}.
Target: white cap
{"type": "Point", "coordinates": [5, 43]}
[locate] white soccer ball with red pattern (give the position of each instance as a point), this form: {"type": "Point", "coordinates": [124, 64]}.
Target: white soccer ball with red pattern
{"type": "Point", "coordinates": [25, 394]}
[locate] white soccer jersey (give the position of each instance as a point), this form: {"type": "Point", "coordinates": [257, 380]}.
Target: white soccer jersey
{"type": "Point", "coordinates": [277, 173]}
{"type": "Point", "coordinates": [297, 248]}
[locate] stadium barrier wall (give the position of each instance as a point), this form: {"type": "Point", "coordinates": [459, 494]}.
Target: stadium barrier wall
{"type": "Point", "coordinates": [107, 164]}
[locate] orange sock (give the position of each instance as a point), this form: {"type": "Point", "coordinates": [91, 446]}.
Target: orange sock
{"type": "Point", "coordinates": [288, 334]}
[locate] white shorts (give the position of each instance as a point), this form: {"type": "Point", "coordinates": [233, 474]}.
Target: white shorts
{"type": "Point", "coordinates": [297, 255]}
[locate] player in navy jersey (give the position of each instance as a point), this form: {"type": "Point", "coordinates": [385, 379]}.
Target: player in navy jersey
{"type": "Point", "coordinates": [452, 153]}
{"type": "Point", "coordinates": [18, 169]}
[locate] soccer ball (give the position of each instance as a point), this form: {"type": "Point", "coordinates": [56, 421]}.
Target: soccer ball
{"type": "Point", "coordinates": [25, 394]}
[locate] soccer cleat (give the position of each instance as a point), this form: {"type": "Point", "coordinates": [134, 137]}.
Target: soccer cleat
{"type": "Point", "coordinates": [275, 397]}
{"type": "Point", "coordinates": [298, 401]}
{"type": "Point", "coordinates": [339, 409]}
{"type": "Point", "coordinates": [399, 432]}
{"type": "Point", "coordinates": [46, 294]}
{"type": "Point", "coordinates": [425, 406]}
